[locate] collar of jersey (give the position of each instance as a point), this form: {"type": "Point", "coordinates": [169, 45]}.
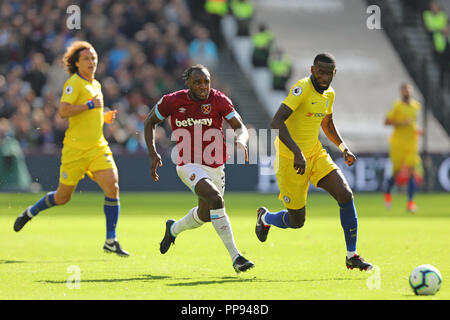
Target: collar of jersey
{"type": "Point", "coordinates": [315, 90]}
{"type": "Point", "coordinates": [82, 77]}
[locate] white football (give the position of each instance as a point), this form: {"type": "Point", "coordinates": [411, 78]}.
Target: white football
{"type": "Point", "coordinates": [425, 280]}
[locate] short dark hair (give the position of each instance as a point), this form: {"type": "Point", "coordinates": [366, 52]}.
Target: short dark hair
{"type": "Point", "coordinates": [325, 57]}
{"type": "Point", "coordinates": [187, 73]}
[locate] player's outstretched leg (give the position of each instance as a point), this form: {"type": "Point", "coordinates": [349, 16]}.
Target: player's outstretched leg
{"type": "Point", "coordinates": [45, 202]}
{"type": "Point", "coordinates": [190, 221]}
{"type": "Point", "coordinates": [213, 208]}
{"type": "Point", "coordinates": [337, 186]}
{"type": "Point", "coordinates": [283, 219]}
{"type": "Point", "coordinates": [261, 229]}
{"type": "Point", "coordinates": [221, 223]}
{"type": "Point", "coordinates": [168, 237]}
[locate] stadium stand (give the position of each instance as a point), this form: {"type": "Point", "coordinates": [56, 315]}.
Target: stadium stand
{"type": "Point", "coordinates": [369, 74]}
{"type": "Point", "coordinates": [414, 45]}
{"type": "Point", "coordinates": [143, 48]}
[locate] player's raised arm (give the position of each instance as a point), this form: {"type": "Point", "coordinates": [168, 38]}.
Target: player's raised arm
{"type": "Point", "coordinates": [241, 133]}
{"type": "Point", "coordinates": [333, 134]}
{"type": "Point", "coordinates": [149, 134]}
{"type": "Point", "coordinates": [278, 122]}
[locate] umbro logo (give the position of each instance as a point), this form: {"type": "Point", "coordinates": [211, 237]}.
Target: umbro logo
{"type": "Point", "coordinates": [182, 110]}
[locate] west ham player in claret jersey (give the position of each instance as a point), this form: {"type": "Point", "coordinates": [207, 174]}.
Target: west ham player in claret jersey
{"type": "Point", "coordinates": [196, 117]}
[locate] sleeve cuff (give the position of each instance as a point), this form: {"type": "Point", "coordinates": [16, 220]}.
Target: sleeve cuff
{"type": "Point", "coordinates": [231, 115]}
{"type": "Point", "coordinates": [160, 117]}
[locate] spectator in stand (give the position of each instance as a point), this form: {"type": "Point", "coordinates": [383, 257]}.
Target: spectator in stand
{"type": "Point", "coordinates": [203, 50]}
{"type": "Point", "coordinates": [216, 10]}
{"type": "Point", "coordinates": [118, 54]}
{"type": "Point", "coordinates": [281, 67]}
{"type": "Point", "coordinates": [142, 45]}
{"type": "Point", "coordinates": [435, 19]}
{"type": "Point", "coordinates": [243, 11]}
{"type": "Point", "coordinates": [14, 175]}
{"type": "Point", "coordinates": [262, 44]}
{"type": "Point", "coordinates": [36, 75]}
{"type": "Point", "coordinates": [441, 42]}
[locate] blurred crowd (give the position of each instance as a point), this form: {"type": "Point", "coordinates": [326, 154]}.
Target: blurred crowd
{"type": "Point", "coordinates": [143, 47]}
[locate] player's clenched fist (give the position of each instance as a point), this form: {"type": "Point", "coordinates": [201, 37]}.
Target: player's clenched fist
{"type": "Point", "coordinates": [349, 157]}
{"type": "Point", "coordinates": [109, 116]}
{"type": "Point", "coordinates": [299, 163]}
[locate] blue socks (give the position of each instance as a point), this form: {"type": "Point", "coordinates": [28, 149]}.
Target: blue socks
{"type": "Point", "coordinates": [112, 210]}
{"type": "Point", "coordinates": [278, 219]}
{"type": "Point", "coordinates": [411, 187]}
{"type": "Point", "coordinates": [349, 222]}
{"type": "Point", "coordinates": [45, 202]}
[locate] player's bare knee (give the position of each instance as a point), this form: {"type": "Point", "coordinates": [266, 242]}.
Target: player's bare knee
{"type": "Point", "coordinates": [62, 199]}
{"type": "Point", "coordinates": [298, 222]}
{"type": "Point", "coordinates": [297, 218]}
{"type": "Point", "coordinates": [216, 201]}
{"type": "Point", "coordinates": [112, 191]}
{"type": "Point", "coordinates": [345, 195]}
{"type": "Point", "coordinates": [115, 189]}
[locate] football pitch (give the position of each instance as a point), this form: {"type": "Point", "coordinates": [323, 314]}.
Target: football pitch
{"type": "Point", "coordinates": [64, 244]}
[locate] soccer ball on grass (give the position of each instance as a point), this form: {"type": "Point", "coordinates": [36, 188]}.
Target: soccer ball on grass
{"type": "Point", "coordinates": [425, 280]}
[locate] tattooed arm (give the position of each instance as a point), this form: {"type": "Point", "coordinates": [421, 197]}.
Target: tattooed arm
{"type": "Point", "coordinates": [333, 134]}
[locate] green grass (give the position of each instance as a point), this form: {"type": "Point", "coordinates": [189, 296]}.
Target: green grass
{"type": "Point", "coordinates": [308, 263]}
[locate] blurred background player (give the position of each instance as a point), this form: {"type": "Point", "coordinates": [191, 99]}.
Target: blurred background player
{"type": "Point", "coordinates": [301, 159]}
{"type": "Point", "coordinates": [404, 144]}
{"type": "Point", "coordinates": [85, 149]}
{"type": "Point", "coordinates": [195, 113]}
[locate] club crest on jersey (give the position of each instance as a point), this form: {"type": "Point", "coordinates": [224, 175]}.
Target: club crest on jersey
{"type": "Point", "coordinates": [206, 108]}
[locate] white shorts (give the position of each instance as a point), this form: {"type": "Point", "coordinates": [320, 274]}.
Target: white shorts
{"type": "Point", "coordinates": [191, 173]}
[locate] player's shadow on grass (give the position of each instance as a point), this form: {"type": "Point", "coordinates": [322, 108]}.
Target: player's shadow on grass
{"type": "Point", "coordinates": [143, 277]}
{"type": "Point", "coordinates": [206, 282]}
{"type": "Point", "coordinates": [11, 261]}
{"type": "Point", "coordinates": [53, 261]}
{"type": "Point", "coordinates": [234, 279]}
